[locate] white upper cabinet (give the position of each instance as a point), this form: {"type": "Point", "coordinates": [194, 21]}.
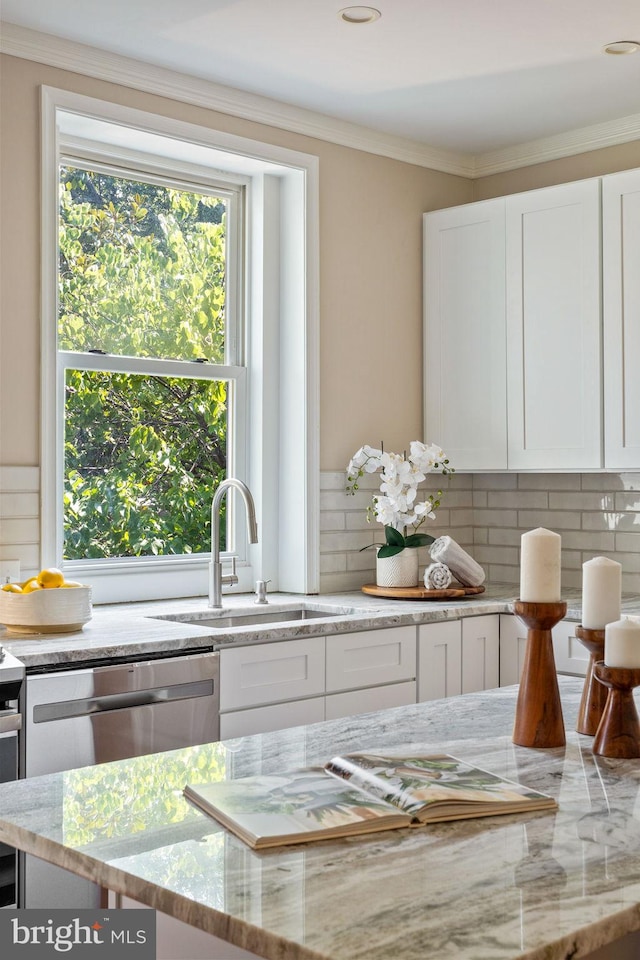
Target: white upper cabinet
{"type": "Point", "coordinates": [554, 397]}
{"type": "Point", "coordinates": [464, 358]}
{"type": "Point", "coordinates": [621, 298]}
{"type": "Point", "coordinates": [532, 328]}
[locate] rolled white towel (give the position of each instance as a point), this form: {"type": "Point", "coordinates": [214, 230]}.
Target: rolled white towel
{"type": "Point", "coordinates": [462, 566]}
{"type": "Point", "coordinates": [437, 576]}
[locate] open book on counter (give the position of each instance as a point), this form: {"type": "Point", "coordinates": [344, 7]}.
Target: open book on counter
{"type": "Point", "coordinates": [359, 793]}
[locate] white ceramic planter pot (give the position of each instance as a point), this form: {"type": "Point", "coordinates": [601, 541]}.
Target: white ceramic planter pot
{"type": "Point", "coordinates": [398, 571]}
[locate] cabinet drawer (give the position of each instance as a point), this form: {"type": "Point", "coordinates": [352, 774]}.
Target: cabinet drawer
{"type": "Point", "coordinates": [366, 701]}
{"type": "Point", "coordinates": [370, 658]}
{"type": "Point", "coordinates": [276, 716]}
{"type": "Point", "coordinates": [270, 672]}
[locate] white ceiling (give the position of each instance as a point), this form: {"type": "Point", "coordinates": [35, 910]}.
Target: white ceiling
{"type": "Point", "coordinates": [462, 75]}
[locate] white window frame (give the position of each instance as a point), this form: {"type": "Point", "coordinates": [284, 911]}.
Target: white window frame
{"type": "Point", "coordinates": [281, 448]}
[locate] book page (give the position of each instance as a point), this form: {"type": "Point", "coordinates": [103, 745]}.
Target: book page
{"type": "Point", "coordinates": [413, 783]}
{"type": "Point", "coordinates": [295, 803]}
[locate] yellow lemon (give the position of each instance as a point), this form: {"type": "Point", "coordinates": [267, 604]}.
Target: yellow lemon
{"type": "Point", "coordinates": [12, 588]}
{"type": "Point", "coordinates": [31, 585]}
{"type": "Point", "coordinates": [51, 577]}
{"type": "Point", "coordinates": [71, 583]}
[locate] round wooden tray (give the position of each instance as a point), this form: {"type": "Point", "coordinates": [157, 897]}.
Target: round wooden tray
{"type": "Point", "coordinates": [420, 593]}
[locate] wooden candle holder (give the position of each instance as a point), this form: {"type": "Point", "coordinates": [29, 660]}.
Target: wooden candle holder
{"type": "Point", "coordinates": [538, 721]}
{"type": "Point", "coordinates": [618, 734]}
{"type": "Point", "coordinates": [594, 694]}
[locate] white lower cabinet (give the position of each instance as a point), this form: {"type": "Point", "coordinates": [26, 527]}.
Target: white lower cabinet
{"type": "Point", "coordinates": [480, 653]}
{"type": "Point", "coordinates": [370, 658]}
{"type": "Point", "coordinates": [271, 686]}
{"type": "Point", "coordinates": [458, 656]}
{"type": "Point", "coordinates": [513, 643]}
{"type": "Point", "coordinates": [569, 654]}
{"type": "Point", "coordinates": [275, 716]}
{"type": "Point", "coordinates": [268, 673]}
{"type": "Point", "coordinates": [439, 660]}
{"type": "Point", "coordinates": [366, 701]}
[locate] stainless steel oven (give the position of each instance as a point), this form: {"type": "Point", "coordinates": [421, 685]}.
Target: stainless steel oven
{"type": "Point", "coordinates": [11, 680]}
{"type": "Point", "coordinates": [81, 717]}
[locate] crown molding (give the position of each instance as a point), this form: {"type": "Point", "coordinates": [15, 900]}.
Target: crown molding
{"type": "Point", "coordinates": [89, 61]}
{"type": "Point", "coordinates": [567, 144]}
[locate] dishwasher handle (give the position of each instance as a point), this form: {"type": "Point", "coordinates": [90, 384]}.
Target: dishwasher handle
{"type": "Point", "coordinates": [88, 706]}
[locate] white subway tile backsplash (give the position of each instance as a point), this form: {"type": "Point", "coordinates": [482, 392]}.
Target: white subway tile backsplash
{"type": "Point", "coordinates": [557, 520]}
{"type": "Point", "coordinates": [345, 541]}
{"type": "Point", "coordinates": [548, 481]}
{"type": "Point", "coordinates": [596, 514]}
{"type": "Point", "coordinates": [628, 501]}
{"type": "Point", "coordinates": [603, 500]}
{"type": "Point", "coordinates": [610, 521]}
{"type": "Point", "coordinates": [628, 542]}
{"type": "Point", "coordinates": [333, 562]}
{"type": "Point", "coordinates": [499, 518]}
{"type": "Point", "coordinates": [333, 520]}
{"type": "Point", "coordinates": [611, 481]}
{"type": "Point", "coordinates": [494, 481]}
{"type": "Point", "coordinates": [505, 535]}
{"type": "Point", "coordinates": [518, 499]}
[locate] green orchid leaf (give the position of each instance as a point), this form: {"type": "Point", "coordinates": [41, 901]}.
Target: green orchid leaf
{"type": "Point", "coordinates": [394, 537]}
{"type": "Point", "coordinates": [418, 540]}
{"type": "Point", "coordinates": [389, 551]}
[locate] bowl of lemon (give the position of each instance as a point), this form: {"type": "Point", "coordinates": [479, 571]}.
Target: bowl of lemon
{"type": "Point", "coordinates": [46, 603]}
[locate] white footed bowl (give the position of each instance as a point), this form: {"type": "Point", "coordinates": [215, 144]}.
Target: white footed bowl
{"type": "Point", "coordinates": [53, 610]}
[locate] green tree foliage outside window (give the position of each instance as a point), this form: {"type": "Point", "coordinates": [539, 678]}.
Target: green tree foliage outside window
{"type": "Point", "coordinates": [142, 273]}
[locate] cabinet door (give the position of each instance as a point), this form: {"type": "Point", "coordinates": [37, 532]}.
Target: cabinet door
{"type": "Point", "coordinates": [439, 660]}
{"type": "Point", "coordinates": [513, 643]}
{"type": "Point", "coordinates": [570, 655]}
{"type": "Point", "coordinates": [370, 658]}
{"type": "Point", "coordinates": [553, 327]}
{"type": "Point", "coordinates": [372, 698]}
{"type": "Point", "coordinates": [464, 335]}
{"type": "Point", "coordinates": [621, 298]}
{"type": "Point", "coordinates": [276, 716]}
{"type": "Point", "coordinates": [271, 672]}
{"type": "Point", "coordinates": [480, 653]}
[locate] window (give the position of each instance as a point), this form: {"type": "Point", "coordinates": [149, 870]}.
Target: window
{"type": "Point", "coordinates": [177, 350]}
{"type": "Point", "coordinates": [144, 280]}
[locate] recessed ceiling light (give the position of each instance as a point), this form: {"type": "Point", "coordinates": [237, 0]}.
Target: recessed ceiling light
{"type": "Point", "coordinates": [622, 46]}
{"type": "Point", "coordinates": [359, 14]}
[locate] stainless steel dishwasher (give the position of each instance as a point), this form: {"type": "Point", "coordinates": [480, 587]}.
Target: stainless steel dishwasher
{"type": "Point", "coordinates": [78, 718]}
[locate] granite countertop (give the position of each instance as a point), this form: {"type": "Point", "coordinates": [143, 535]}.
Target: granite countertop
{"type": "Point", "coordinates": [543, 886]}
{"type": "Point", "coordinates": [138, 630]}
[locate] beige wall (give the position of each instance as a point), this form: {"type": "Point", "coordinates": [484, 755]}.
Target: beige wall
{"type": "Point", "coordinates": [595, 163]}
{"type": "Point", "coordinates": [370, 261]}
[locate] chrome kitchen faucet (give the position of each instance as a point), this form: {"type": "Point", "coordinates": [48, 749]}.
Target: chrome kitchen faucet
{"type": "Point", "coordinates": [216, 580]}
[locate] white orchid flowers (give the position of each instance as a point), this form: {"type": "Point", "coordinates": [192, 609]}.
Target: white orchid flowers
{"type": "Point", "coordinates": [397, 506]}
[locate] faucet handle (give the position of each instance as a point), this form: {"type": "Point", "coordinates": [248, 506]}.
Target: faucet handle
{"type": "Point", "coordinates": [261, 591]}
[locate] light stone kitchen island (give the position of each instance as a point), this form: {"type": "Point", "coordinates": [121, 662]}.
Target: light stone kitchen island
{"type": "Point", "coordinates": [542, 886]}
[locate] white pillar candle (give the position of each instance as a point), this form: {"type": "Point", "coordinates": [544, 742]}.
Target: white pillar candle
{"type": "Point", "coordinates": [540, 566]}
{"type": "Point", "coordinates": [622, 644]}
{"type": "Point", "coordinates": [601, 592]}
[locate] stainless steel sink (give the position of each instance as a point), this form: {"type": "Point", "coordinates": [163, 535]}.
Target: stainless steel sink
{"type": "Point", "coordinates": [226, 621]}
